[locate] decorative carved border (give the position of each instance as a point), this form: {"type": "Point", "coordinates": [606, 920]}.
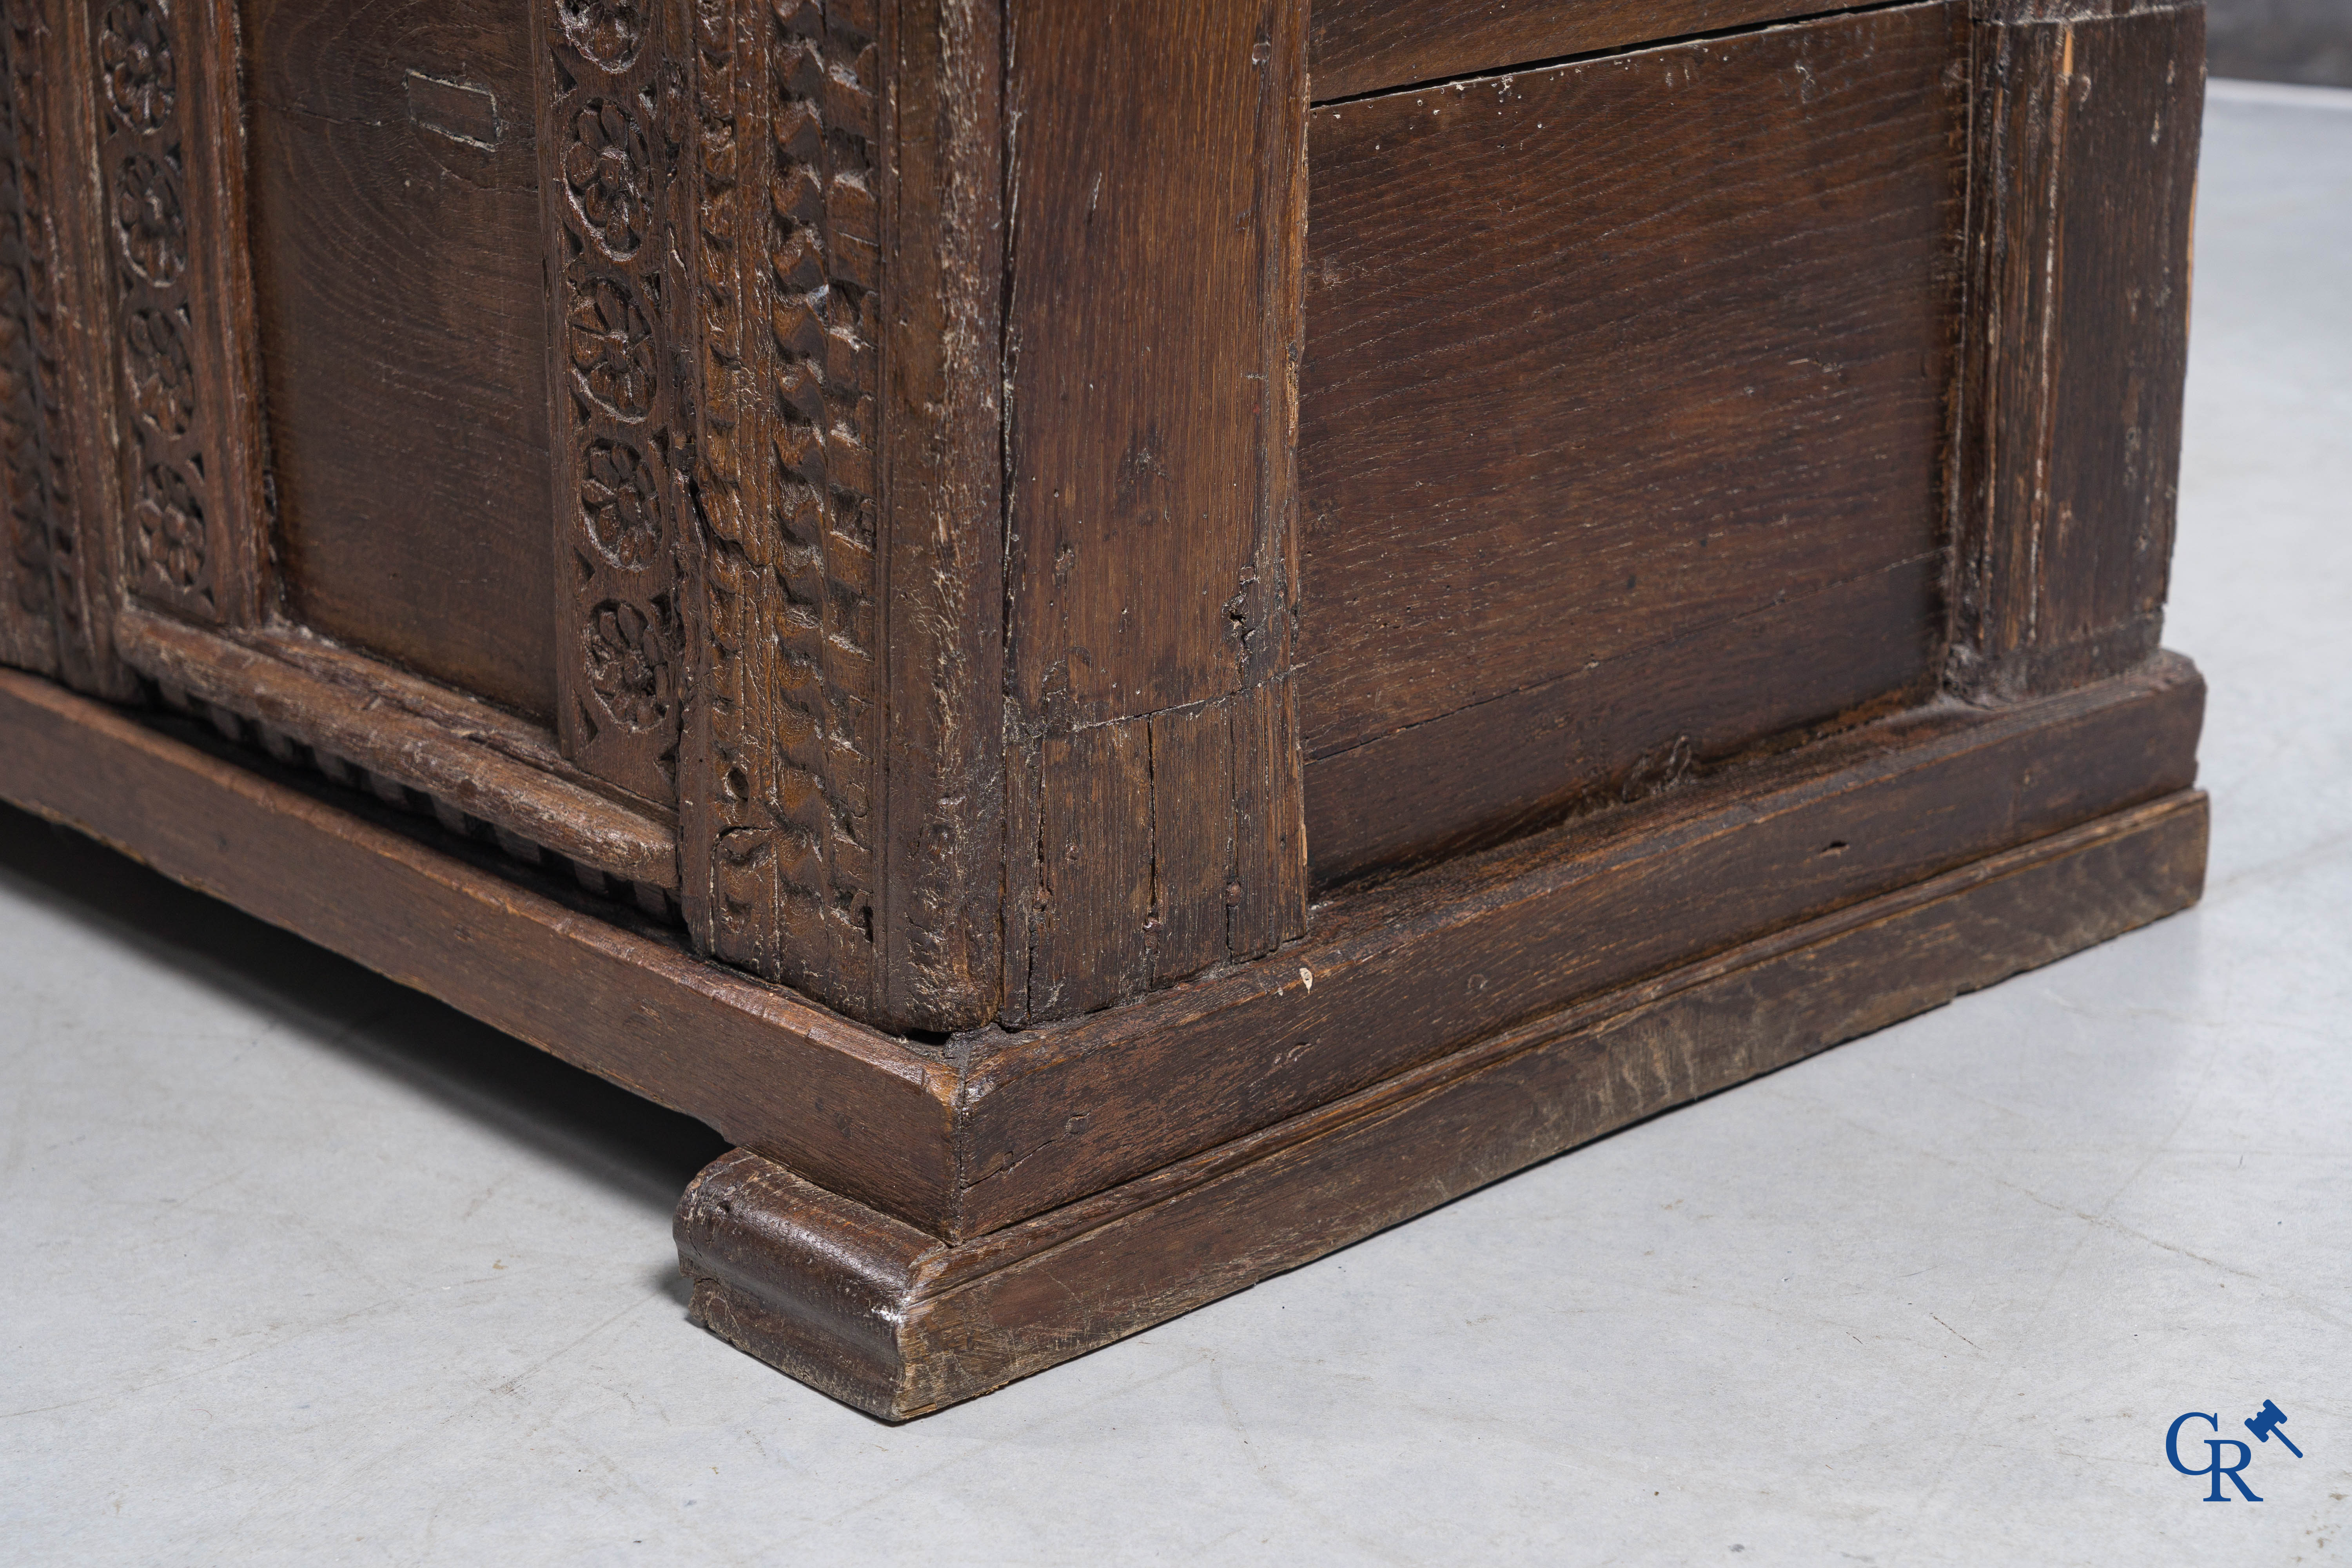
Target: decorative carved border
{"type": "Point", "coordinates": [172, 532]}
{"type": "Point", "coordinates": [778, 795]}
{"type": "Point", "coordinates": [612, 132]}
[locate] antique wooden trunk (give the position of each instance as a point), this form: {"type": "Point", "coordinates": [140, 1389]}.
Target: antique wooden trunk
{"type": "Point", "coordinates": [1129, 640]}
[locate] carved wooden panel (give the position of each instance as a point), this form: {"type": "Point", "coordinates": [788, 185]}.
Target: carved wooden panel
{"type": "Point", "coordinates": [170, 174]}
{"type": "Point", "coordinates": [612, 130]}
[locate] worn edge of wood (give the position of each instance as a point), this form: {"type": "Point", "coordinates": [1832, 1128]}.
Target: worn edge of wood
{"type": "Point", "coordinates": [2025, 455]}
{"type": "Point", "coordinates": [744, 1056]}
{"type": "Point", "coordinates": [1349, 58]}
{"type": "Point", "coordinates": [1087, 307]}
{"type": "Point", "coordinates": [443, 756]}
{"type": "Point", "coordinates": [941, 847]}
{"type": "Point", "coordinates": [887, 1319]}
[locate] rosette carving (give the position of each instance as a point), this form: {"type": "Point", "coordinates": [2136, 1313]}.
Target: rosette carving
{"type": "Point", "coordinates": [633, 664]}
{"type": "Point", "coordinates": [612, 354]}
{"type": "Point", "coordinates": [609, 32]}
{"type": "Point", "coordinates": [149, 218]}
{"type": "Point", "coordinates": [169, 464]}
{"type": "Point", "coordinates": [134, 56]}
{"type": "Point", "coordinates": [168, 539]}
{"type": "Point", "coordinates": [609, 82]}
{"type": "Point", "coordinates": [620, 501]}
{"type": "Point", "coordinates": [607, 168]}
{"type": "Point", "coordinates": [162, 381]}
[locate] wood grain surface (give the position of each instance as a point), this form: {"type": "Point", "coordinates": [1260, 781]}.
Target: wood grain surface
{"type": "Point", "coordinates": [2084, 158]}
{"type": "Point", "coordinates": [940, 942]}
{"type": "Point", "coordinates": [1153, 334]}
{"type": "Point", "coordinates": [887, 1318]}
{"type": "Point", "coordinates": [401, 294]}
{"type": "Point", "coordinates": [1635, 363]}
{"type": "Point", "coordinates": [1357, 46]}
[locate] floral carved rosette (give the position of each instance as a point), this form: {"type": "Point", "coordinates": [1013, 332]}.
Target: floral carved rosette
{"type": "Point", "coordinates": [608, 168]}
{"type": "Point", "coordinates": [631, 664]}
{"type": "Point", "coordinates": [612, 357]}
{"type": "Point", "coordinates": [620, 501]}
{"type": "Point", "coordinates": [149, 218]}
{"type": "Point", "coordinates": [169, 528]}
{"type": "Point", "coordinates": [134, 56]}
{"type": "Point", "coordinates": [162, 381]}
{"type": "Point", "coordinates": [608, 32]}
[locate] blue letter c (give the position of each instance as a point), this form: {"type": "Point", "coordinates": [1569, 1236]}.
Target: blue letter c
{"type": "Point", "coordinates": [2172, 1440]}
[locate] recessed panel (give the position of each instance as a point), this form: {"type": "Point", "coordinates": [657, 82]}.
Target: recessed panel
{"type": "Point", "coordinates": [1622, 420]}
{"type": "Point", "coordinates": [398, 262]}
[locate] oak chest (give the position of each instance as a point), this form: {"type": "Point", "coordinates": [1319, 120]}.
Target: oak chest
{"type": "Point", "coordinates": [1129, 640]}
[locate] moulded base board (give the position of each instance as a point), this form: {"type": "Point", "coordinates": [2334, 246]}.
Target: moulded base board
{"type": "Point", "coordinates": [910, 1224]}
{"type": "Point", "coordinates": [894, 1320]}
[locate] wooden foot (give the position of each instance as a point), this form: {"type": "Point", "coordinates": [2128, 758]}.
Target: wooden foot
{"type": "Point", "coordinates": [899, 1323]}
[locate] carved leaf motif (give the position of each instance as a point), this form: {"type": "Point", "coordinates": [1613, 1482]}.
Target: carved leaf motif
{"type": "Point", "coordinates": [620, 500]}
{"type": "Point", "coordinates": [134, 53]}
{"type": "Point", "coordinates": [169, 528]}
{"type": "Point", "coordinates": [632, 665]}
{"type": "Point", "coordinates": [607, 32]}
{"type": "Point", "coordinates": [149, 218]}
{"type": "Point", "coordinates": [612, 357]}
{"type": "Point", "coordinates": [163, 380]}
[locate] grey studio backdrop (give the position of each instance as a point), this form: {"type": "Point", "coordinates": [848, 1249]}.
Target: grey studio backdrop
{"type": "Point", "coordinates": [2307, 41]}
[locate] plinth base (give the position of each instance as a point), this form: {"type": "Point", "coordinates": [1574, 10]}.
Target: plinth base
{"type": "Point", "coordinates": [897, 1323]}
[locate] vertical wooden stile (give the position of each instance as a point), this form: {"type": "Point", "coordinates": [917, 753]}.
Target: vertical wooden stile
{"type": "Point", "coordinates": [838, 789]}
{"type": "Point", "coordinates": [1153, 335]}
{"type": "Point", "coordinates": [2083, 172]}
{"type": "Point", "coordinates": [612, 130]}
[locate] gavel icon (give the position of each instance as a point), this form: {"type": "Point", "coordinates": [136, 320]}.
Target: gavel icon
{"type": "Point", "coordinates": [2265, 1425]}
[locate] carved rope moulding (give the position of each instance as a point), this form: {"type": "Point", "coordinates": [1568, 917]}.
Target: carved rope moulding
{"type": "Point", "coordinates": [784, 172]}
{"type": "Point", "coordinates": [48, 545]}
